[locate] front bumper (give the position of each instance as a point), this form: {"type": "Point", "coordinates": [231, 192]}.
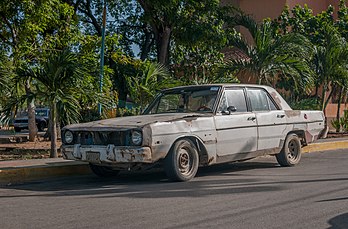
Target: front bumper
{"type": "Point", "coordinates": [99, 154]}
{"type": "Point", "coordinates": [21, 125]}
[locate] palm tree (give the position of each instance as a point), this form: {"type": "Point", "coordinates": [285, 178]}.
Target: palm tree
{"type": "Point", "coordinates": [143, 87]}
{"type": "Point", "coordinates": [330, 63]}
{"type": "Point", "coordinates": [60, 76]}
{"type": "Point", "coordinates": [269, 55]}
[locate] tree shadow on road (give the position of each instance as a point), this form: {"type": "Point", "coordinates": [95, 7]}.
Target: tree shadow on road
{"type": "Point", "coordinates": [225, 179]}
{"type": "Point", "coordinates": [222, 179]}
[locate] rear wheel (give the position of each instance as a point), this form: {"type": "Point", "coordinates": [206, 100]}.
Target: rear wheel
{"type": "Point", "coordinates": [181, 163]}
{"type": "Point", "coordinates": [103, 171]}
{"type": "Point", "coordinates": [290, 155]}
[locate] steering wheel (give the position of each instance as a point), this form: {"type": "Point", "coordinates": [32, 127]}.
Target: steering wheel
{"type": "Point", "coordinates": [203, 108]}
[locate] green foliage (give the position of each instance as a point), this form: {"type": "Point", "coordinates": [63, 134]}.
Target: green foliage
{"type": "Point", "coordinates": [336, 123]}
{"type": "Point", "coordinates": [145, 86]}
{"type": "Point", "coordinates": [123, 112]}
{"type": "Point", "coordinates": [306, 104]}
{"type": "Point", "coordinates": [59, 76]}
{"type": "Point", "coordinates": [270, 56]}
{"type": "Point", "coordinates": [89, 115]}
{"type": "Point", "coordinates": [342, 123]}
{"type": "Point", "coordinates": [329, 61]}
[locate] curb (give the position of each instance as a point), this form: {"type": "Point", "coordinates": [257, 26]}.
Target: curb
{"type": "Point", "coordinates": [323, 146]}
{"type": "Point", "coordinates": [16, 174]}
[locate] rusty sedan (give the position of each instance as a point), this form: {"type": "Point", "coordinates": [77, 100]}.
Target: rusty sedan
{"type": "Point", "coordinates": [191, 126]}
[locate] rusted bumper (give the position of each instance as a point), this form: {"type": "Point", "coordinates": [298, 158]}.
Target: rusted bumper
{"type": "Point", "coordinates": [107, 154]}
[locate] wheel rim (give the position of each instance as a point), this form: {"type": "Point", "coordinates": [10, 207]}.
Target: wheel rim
{"type": "Point", "coordinates": [293, 150]}
{"type": "Point", "coordinates": [185, 161]}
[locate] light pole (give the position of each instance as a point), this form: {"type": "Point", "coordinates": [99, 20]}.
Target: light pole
{"type": "Point", "coordinates": [102, 57]}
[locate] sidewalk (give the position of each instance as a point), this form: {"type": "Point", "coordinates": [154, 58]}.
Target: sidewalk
{"type": "Point", "coordinates": [19, 171]}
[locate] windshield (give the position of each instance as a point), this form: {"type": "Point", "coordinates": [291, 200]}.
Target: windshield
{"type": "Point", "coordinates": [192, 99]}
{"type": "Point", "coordinates": [41, 112]}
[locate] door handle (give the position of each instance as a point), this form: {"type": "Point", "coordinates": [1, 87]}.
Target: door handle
{"type": "Point", "coordinates": [251, 118]}
{"type": "Point", "coordinates": [280, 116]}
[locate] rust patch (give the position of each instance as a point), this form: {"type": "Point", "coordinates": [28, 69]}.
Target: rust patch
{"type": "Point", "coordinates": [210, 142]}
{"type": "Point", "coordinates": [210, 160]}
{"type": "Point", "coordinates": [292, 113]}
{"type": "Point", "coordinates": [147, 135]}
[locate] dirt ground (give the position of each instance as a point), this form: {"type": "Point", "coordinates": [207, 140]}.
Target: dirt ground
{"type": "Point", "coordinates": [27, 150]}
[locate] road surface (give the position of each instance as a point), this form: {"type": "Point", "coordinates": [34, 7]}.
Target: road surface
{"type": "Point", "coordinates": [253, 194]}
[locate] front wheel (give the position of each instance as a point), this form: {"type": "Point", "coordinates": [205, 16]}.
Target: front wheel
{"type": "Point", "coordinates": [103, 171]}
{"type": "Point", "coordinates": [181, 163]}
{"type": "Point", "coordinates": [290, 155]}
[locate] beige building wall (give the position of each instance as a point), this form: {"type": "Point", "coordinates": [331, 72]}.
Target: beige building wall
{"type": "Point", "coordinates": [261, 9]}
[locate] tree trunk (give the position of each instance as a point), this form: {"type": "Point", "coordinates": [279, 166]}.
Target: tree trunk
{"type": "Point", "coordinates": [323, 95]}
{"type": "Point", "coordinates": [31, 112]}
{"type": "Point", "coordinates": [59, 129]}
{"type": "Point", "coordinates": [147, 43]}
{"type": "Point", "coordinates": [163, 39]}
{"type": "Point", "coordinates": [53, 123]}
{"type": "Point", "coordinates": [339, 106]}
{"type": "Point", "coordinates": [328, 99]}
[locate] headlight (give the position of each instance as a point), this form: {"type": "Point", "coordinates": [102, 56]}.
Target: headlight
{"type": "Point", "coordinates": [69, 137]}
{"type": "Point", "coordinates": [137, 137]}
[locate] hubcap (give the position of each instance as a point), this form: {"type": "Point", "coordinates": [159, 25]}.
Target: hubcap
{"type": "Point", "coordinates": [293, 150]}
{"type": "Point", "coordinates": [184, 159]}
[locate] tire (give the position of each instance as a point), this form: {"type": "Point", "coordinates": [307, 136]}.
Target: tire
{"type": "Point", "coordinates": [181, 163]}
{"type": "Point", "coordinates": [17, 129]}
{"type": "Point", "coordinates": [103, 171]}
{"type": "Point", "coordinates": [41, 126]}
{"type": "Point", "coordinates": [290, 155]}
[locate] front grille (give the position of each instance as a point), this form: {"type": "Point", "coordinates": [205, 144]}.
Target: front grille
{"type": "Point", "coordinates": [117, 138]}
{"type": "Point", "coordinates": [21, 121]}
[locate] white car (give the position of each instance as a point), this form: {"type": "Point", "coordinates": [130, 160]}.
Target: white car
{"type": "Point", "coordinates": [192, 126]}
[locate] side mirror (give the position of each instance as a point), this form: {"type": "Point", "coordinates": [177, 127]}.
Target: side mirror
{"type": "Point", "coordinates": [231, 109]}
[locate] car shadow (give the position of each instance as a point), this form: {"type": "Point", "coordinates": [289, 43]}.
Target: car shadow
{"type": "Point", "coordinates": [151, 184]}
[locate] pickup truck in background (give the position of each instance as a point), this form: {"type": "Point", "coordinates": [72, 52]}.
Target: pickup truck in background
{"type": "Point", "coordinates": [191, 126]}
{"type": "Point", "coordinates": [41, 119]}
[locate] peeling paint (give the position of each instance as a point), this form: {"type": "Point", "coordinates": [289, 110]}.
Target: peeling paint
{"type": "Point", "coordinates": [292, 113]}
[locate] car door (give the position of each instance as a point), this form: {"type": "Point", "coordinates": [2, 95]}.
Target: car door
{"type": "Point", "coordinates": [271, 121]}
{"type": "Point", "coordinates": [236, 129]}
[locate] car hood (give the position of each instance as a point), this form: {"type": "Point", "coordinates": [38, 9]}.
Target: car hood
{"type": "Point", "coordinates": [133, 121]}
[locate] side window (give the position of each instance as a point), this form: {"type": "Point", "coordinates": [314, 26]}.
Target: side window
{"type": "Point", "coordinates": [260, 101]}
{"type": "Point", "coordinates": [271, 104]}
{"type": "Point", "coordinates": [233, 97]}
{"type": "Point", "coordinates": [223, 103]}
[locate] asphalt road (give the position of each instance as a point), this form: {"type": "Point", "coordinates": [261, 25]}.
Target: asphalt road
{"type": "Point", "coordinates": [254, 194]}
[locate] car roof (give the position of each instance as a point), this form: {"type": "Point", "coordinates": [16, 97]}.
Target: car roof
{"type": "Point", "coordinates": [217, 85]}
{"type": "Point", "coordinates": [274, 94]}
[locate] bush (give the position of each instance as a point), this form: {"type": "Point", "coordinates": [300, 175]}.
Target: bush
{"type": "Point", "coordinates": [306, 104]}
{"type": "Point", "coordinates": [89, 115]}
{"type": "Point", "coordinates": [342, 123]}
{"type": "Point", "coordinates": [121, 112]}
